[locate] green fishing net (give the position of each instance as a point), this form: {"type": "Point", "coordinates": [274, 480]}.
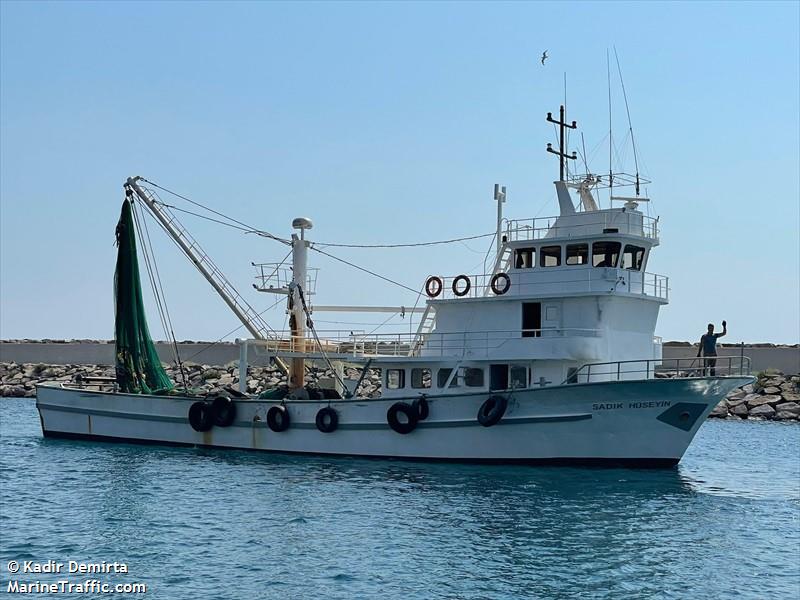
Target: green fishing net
{"type": "Point", "coordinates": [139, 369]}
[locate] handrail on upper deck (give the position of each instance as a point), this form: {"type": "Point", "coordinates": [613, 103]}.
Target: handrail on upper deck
{"type": "Point", "coordinates": [540, 227]}
{"type": "Point", "coordinates": [684, 368]}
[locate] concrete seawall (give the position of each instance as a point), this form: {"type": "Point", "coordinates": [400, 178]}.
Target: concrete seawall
{"type": "Point", "coordinates": [783, 358]}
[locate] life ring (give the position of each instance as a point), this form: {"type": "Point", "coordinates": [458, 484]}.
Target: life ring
{"type": "Point", "coordinates": [200, 416]}
{"type": "Point", "coordinates": [395, 423]}
{"type": "Point", "coordinates": [433, 286]}
{"type": "Point", "coordinates": [421, 408]}
{"type": "Point", "coordinates": [500, 291]}
{"type": "Point", "coordinates": [278, 418]}
{"type": "Point", "coordinates": [223, 410]}
{"type": "Point", "coordinates": [463, 292]}
{"type": "Point", "coordinates": [492, 410]}
{"type": "Point", "coordinates": [327, 419]}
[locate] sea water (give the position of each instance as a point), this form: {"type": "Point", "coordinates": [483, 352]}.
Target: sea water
{"type": "Point", "coordinates": [198, 523]}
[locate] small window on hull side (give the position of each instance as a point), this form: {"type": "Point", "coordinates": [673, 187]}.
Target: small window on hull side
{"type": "Point", "coordinates": [577, 254]}
{"type": "Point", "coordinates": [524, 258]}
{"type": "Point", "coordinates": [473, 377]}
{"type": "Point", "coordinates": [550, 256]}
{"type": "Point", "coordinates": [420, 378]}
{"type": "Point", "coordinates": [605, 254]}
{"type": "Point", "coordinates": [632, 257]}
{"type": "Point", "coordinates": [395, 379]}
{"type": "Point", "coordinates": [443, 375]}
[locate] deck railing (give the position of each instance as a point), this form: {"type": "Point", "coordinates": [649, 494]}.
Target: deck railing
{"type": "Point", "coordinates": [626, 223]}
{"type": "Point", "coordinates": [675, 368]}
{"type": "Point", "coordinates": [476, 343]}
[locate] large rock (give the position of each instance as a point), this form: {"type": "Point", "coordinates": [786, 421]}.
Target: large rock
{"type": "Point", "coordinates": [740, 410]}
{"type": "Point", "coordinates": [762, 411]}
{"type": "Point", "coordinates": [772, 390]}
{"type": "Point", "coordinates": [791, 396]}
{"type": "Point", "coordinates": [759, 400]}
{"type": "Point", "coordinates": [785, 415]}
{"type": "Point", "coordinates": [792, 407]}
{"type": "Point", "coordinates": [736, 394]}
{"type": "Point", "coordinates": [776, 381]}
{"type": "Point", "coordinates": [720, 410]}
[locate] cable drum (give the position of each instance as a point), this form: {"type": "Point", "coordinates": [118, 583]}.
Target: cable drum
{"type": "Point", "coordinates": [461, 292]}
{"type": "Point", "coordinates": [500, 289]}
{"type": "Point", "coordinates": [434, 286]}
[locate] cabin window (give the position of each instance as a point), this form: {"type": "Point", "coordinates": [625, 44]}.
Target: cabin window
{"type": "Point", "coordinates": [577, 254]}
{"type": "Point", "coordinates": [518, 376]}
{"type": "Point", "coordinates": [524, 258]}
{"type": "Point", "coordinates": [550, 256]}
{"type": "Point", "coordinates": [420, 378]}
{"type": "Point", "coordinates": [443, 375]}
{"type": "Point", "coordinates": [395, 379]}
{"type": "Point", "coordinates": [632, 257]}
{"type": "Point", "coordinates": [473, 377]}
{"type": "Point", "coordinates": [531, 319]}
{"type": "Point", "coordinates": [605, 254]}
{"type": "Point", "coordinates": [572, 375]}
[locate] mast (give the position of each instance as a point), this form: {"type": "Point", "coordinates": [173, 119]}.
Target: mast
{"type": "Point", "coordinates": [500, 197]}
{"type": "Point", "coordinates": [298, 295]}
{"type": "Point", "coordinates": [564, 200]}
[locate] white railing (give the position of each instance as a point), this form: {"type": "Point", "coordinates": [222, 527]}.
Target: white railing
{"type": "Point", "coordinates": [626, 223]}
{"type": "Point", "coordinates": [565, 280]}
{"type": "Point", "coordinates": [275, 277]}
{"type": "Point", "coordinates": [477, 343]}
{"type": "Point", "coordinates": [667, 368]}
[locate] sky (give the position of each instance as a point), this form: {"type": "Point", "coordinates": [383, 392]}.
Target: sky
{"type": "Point", "coordinates": [390, 123]}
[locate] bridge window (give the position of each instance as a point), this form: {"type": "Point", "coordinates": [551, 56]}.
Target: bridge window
{"type": "Point", "coordinates": [550, 256]}
{"type": "Point", "coordinates": [395, 379]}
{"type": "Point", "coordinates": [524, 258]}
{"type": "Point", "coordinates": [632, 257]}
{"type": "Point", "coordinates": [420, 378]}
{"type": "Point", "coordinates": [473, 377]}
{"type": "Point", "coordinates": [577, 254]}
{"type": "Point", "coordinates": [605, 254]}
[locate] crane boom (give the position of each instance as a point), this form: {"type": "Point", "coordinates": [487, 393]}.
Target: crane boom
{"type": "Point", "coordinates": [251, 319]}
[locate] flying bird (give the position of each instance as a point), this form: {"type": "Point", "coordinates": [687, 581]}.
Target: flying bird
{"type": "Point", "coordinates": [544, 57]}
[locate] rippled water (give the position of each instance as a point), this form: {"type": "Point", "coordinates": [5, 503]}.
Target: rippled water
{"type": "Point", "coordinates": [194, 523]}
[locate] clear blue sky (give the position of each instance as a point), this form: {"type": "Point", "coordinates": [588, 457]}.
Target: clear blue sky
{"type": "Point", "coordinates": [389, 123]}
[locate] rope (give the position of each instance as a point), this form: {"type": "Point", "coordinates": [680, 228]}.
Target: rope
{"type": "Point", "coordinates": [373, 273]}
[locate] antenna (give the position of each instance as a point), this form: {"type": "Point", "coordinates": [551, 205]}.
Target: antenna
{"type": "Point", "coordinates": [630, 126]}
{"type": "Point", "coordinates": [610, 173]}
{"type": "Point", "coordinates": [561, 153]}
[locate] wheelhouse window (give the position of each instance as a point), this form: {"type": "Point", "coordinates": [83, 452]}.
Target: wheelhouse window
{"type": "Point", "coordinates": [443, 375]}
{"type": "Point", "coordinates": [577, 254]}
{"type": "Point", "coordinates": [420, 378]}
{"type": "Point", "coordinates": [524, 258]}
{"type": "Point", "coordinates": [473, 377]}
{"type": "Point", "coordinates": [605, 254]}
{"type": "Point", "coordinates": [550, 256]}
{"type": "Point", "coordinates": [632, 257]}
{"type": "Point", "coordinates": [395, 379]}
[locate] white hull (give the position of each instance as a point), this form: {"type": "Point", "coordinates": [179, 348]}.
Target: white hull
{"type": "Point", "coordinates": [614, 422]}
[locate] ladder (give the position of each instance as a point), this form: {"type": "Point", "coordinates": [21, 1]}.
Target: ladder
{"type": "Point", "coordinates": [426, 324]}
{"type": "Point", "coordinates": [502, 264]}
{"type": "Point", "coordinates": [249, 317]}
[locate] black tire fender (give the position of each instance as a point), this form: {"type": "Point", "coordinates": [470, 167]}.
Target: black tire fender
{"type": "Point", "coordinates": [395, 423]}
{"type": "Point", "coordinates": [421, 408]}
{"type": "Point", "coordinates": [278, 418]}
{"type": "Point", "coordinates": [434, 286]}
{"type": "Point", "coordinates": [201, 416]}
{"type": "Point", "coordinates": [467, 286]}
{"type": "Point", "coordinates": [327, 419]}
{"type": "Point", "coordinates": [223, 410]}
{"type": "Point", "coordinates": [492, 410]}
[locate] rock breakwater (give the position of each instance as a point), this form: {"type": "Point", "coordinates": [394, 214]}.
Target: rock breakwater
{"type": "Point", "coordinates": [774, 396]}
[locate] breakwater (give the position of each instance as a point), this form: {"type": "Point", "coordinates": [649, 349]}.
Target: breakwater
{"type": "Point", "coordinates": [773, 396]}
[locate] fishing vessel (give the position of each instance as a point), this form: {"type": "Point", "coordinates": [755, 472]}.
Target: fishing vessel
{"type": "Point", "coordinates": [547, 357]}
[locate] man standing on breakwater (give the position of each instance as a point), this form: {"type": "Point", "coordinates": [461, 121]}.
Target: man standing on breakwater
{"type": "Point", "coordinates": [708, 347]}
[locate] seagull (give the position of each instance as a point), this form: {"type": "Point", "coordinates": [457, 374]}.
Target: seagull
{"type": "Point", "coordinates": [544, 57]}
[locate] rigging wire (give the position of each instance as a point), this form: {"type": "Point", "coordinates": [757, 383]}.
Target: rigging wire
{"type": "Point", "coordinates": [219, 214]}
{"type": "Point", "coordinates": [630, 125]}
{"type": "Point", "coordinates": [355, 266]}
{"type": "Point", "coordinates": [407, 245]}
